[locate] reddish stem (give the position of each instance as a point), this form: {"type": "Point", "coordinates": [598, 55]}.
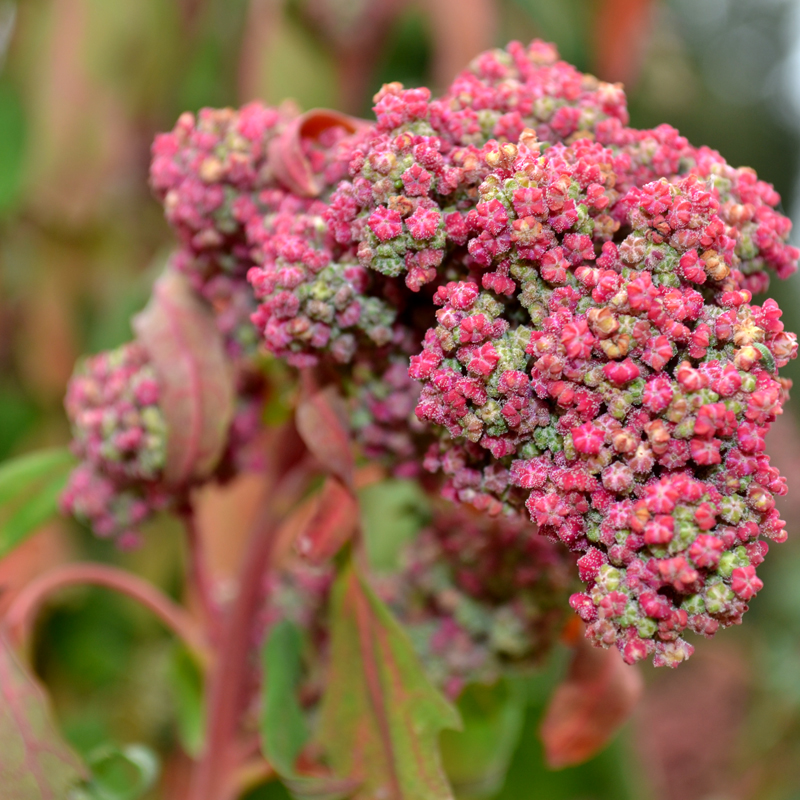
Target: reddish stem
{"type": "Point", "coordinates": [227, 692]}
{"type": "Point", "coordinates": [22, 613]}
{"type": "Point", "coordinates": [227, 688]}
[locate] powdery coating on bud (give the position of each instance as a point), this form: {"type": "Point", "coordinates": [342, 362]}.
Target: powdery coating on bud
{"type": "Point", "coordinates": [214, 177]}
{"type": "Point", "coordinates": [626, 408]}
{"type": "Point", "coordinates": [120, 435]}
{"type": "Point", "coordinates": [414, 180]}
{"type": "Point", "coordinates": [208, 172]}
{"type": "Point", "coordinates": [746, 203]}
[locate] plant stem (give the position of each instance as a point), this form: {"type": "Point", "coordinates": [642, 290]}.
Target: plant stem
{"type": "Point", "coordinates": [23, 611]}
{"type": "Point", "coordinates": [227, 692]}
{"type": "Point", "coordinates": [227, 686]}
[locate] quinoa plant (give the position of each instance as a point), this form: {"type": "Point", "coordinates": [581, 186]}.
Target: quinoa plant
{"type": "Point", "coordinates": [536, 320]}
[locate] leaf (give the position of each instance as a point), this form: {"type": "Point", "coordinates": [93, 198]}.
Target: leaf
{"type": "Point", "coordinates": [283, 727]}
{"type": "Point", "coordinates": [186, 682]}
{"type": "Point", "coordinates": [333, 523]}
{"type": "Point", "coordinates": [393, 512]}
{"type": "Point", "coordinates": [477, 758]}
{"type": "Point", "coordinates": [380, 716]}
{"type": "Point", "coordinates": [321, 420]}
{"type": "Point", "coordinates": [30, 487]}
{"type": "Point", "coordinates": [589, 706]}
{"type": "Point", "coordinates": [122, 773]}
{"type": "Point", "coordinates": [287, 158]}
{"type": "Point", "coordinates": [197, 390]}
{"type": "Point", "coordinates": [19, 474]}
{"type": "Point", "coordinates": [35, 763]}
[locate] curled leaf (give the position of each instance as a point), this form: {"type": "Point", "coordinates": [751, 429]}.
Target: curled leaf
{"type": "Point", "coordinates": [321, 420]}
{"type": "Point", "coordinates": [589, 706]}
{"type": "Point", "coordinates": [287, 157]}
{"type": "Point", "coordinates": [35, 763]}
{"type": "Point", "coordinates": [333, 523]}
{"type": "Point", "coordinates": [381, 717]}
{"type": "Point", "coordinates": [197, 390]}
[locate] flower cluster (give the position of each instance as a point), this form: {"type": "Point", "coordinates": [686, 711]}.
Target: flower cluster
{"type": "Point", "coordinates": [383, 422]}
{"type": "Point", "coordinates": [480, 596]}
{"type": "Point", "coordinates": [625, 388]}
{"type": "Point", "coordinates": [119, 433]}
{"type": "Point", "coordinates": [311, 303]}
{"type": "Point", "coordinates": [572, 296]}
{"type": "Point", "coordinates": [121, 437]}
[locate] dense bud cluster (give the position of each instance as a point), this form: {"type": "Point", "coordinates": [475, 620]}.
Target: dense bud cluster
{"type": "Point", "coordinates": [382, 406]}
{"type": "Point", "coordinates": [565, 301]}
{"type": "Point", "coordinates": [119, 434]}
{"type": "Point", "coordinates": [479, 596]}
{"type": "Point", "coordinates": [629, 405]}
{"type": "Point", "coordinates": [311, 303]}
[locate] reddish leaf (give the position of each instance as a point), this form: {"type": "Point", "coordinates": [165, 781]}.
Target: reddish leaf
{"type": "Point", "coordinates": [332, 525]}
{"type": "Point", "coordinates": [588, 708]}
{"type": "Point", "coordinates": [380, 717]}
{"type": "Point", "coordinates": [321, 421]}
{"type": "Point", "coordinates": [179, 333]}
{"type": "Point", "coordinates": [290, 163]}
{"type": "Point", "coordinates": [35, 764]}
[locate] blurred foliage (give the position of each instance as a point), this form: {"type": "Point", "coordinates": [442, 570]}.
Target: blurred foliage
{"type": "Point", "coordinates": [85, 85]}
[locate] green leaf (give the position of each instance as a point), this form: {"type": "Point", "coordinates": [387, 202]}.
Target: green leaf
{"type": "Point", "coordinates": [35, 763]}
{"type": "Point", "coordinates": [30, 487]}
{"type": "Point", "coordinates": [122, 773]}
{"type": "Point", "coordinates": [284, 731]}
{"type": "Point", "coordinates": [20, 474]}
{"type": "Point", "coordinates": [186, 681]}
{"type": "Point", "coordinates": [477, 758]}
{"type": "Point", "coordinates": [380, 717]}
{"type": "Point", "coordinates": [283, 726]}
{"type": "Point", "coordinates": [392, 513]}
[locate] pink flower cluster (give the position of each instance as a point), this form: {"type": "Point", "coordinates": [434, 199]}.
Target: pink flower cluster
{"type": "Point", "coordinates": [311, 302]}
{"type": "Point", "coordinates": [574, 297]}
{"type": "Point", "coordinates": [622, 389]}
{"type": "Point", "coordinates": [119, 434]}
{"type": "Point", "coordinates": [121, 437]}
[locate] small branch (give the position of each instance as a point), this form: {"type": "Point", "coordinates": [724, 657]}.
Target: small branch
{"type": "Point", "coordinates": [23, 611]}
{"type": "Point", "coordinates": [199, 578]}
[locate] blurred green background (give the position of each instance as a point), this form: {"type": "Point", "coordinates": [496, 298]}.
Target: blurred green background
{"type": "Point", "coordinates": [85, 85]}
